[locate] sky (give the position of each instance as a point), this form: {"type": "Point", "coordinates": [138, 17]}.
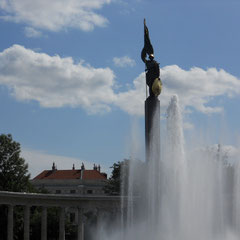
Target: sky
{"type": "Point", "coordinates": [72, 83]}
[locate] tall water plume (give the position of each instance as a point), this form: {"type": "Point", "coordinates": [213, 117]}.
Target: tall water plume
{"type": "Point", "coordinates": [173, 174]}
{"type": "Point", "coordinates": [182, 195]}
{"type": "Point", "coordinates": [236, 215]}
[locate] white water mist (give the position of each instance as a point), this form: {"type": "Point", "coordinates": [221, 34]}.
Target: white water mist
{"type": "Point", "coordinates": [184, 196]}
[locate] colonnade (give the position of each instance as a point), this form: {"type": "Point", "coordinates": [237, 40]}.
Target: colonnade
{"type": "Point", "coordinates": [80, 224]}
{"type": "Point", "coordinates": [80, 203]}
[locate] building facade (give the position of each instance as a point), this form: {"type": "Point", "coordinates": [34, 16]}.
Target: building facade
{"type": "Point", "coordinates": [74, 181]}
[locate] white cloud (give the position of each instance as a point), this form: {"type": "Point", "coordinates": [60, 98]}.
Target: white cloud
{"type": "Point", "coordinates": [124, 61]}
{"type": "Point", "coordinates": [54, 81]}
{"type": "Point", "coordinates": [55, 15]}
{"type": "Point", "coordinates": [188, 125]}
{"type": "Point", "coordinates": [32, 33]}
{"type": "Point", "coordinates": [132, 100]}
{"type": "Point", "coordinates": [39, 161]}
{"type": "Point", "coordinates": [195, 88]}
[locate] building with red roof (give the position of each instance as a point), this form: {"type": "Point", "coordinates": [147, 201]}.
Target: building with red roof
{"type": "Point", "coordinates": [74, 181]}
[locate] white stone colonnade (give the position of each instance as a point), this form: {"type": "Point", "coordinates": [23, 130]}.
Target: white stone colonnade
{"type": "Point", "coordinates": [27, 200]}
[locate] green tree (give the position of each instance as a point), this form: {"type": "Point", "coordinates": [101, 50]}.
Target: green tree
{"type": "Point", "coordinates": [13, 177]}
{"type": "Point", "coordinates": [119, 178]}
{"type": "Point", "coordinates": [13, 169]}
{"type": "Point", "coordinates": [118, 183]}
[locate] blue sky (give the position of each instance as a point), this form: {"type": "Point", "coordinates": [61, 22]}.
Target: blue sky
{"type": "Point", "coordinates": [72, 84]}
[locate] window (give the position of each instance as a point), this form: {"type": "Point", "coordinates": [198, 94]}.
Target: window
{"type": "Point", "coordinates": [89, 191]}
{"type": "Point", "coordinates": [58, 191]}
{"type": "Point", "coordinates": [72, 191]}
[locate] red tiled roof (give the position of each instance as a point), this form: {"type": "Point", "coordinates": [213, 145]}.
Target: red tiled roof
{"type": "Point", "coordinates": [71, 174]}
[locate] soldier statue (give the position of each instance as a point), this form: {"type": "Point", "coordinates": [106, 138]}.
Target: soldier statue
{"type": "Point", "coordinates": [152, 67]}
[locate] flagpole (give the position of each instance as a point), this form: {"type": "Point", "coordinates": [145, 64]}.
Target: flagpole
{"type": "Point", "coordinates": [146, 91]}
{"type": "Point", "coordinates": [144, 23]}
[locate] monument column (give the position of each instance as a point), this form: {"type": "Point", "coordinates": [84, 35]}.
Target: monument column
{"type": "Point", "coordinates": [152, 128]}
{"type": "Point", "coordinates": [10, 223]}
{"type": "Point", "coordinates": [152, 104]}
{"type": "Point", "coordinates": [44, 224]}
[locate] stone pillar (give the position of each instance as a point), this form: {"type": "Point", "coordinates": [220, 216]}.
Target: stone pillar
{"type": "Point", "coordinates": [62, 224]}
{"type": "Point", "coordinates": [10, 223]}
{"type": "Point", "coordinates": [44, 224]}
{"type": "Point", "coordinates": [26, 222]}
{"type": "Point", "coordinates": [80, 224]}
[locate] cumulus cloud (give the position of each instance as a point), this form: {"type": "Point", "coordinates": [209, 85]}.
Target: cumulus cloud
{"type": "Point", "coordinates": [132, 100]}
{"type": "Point", "coordinates": [195, 87]}
{"type": "Point", "coordinates": [55, 15]}
{"type": "Point", "coordinates": [54, 81]}
{"type": "Point", "coordinates": [188, 125]}
{"type": "Point", "coordinates": [32, 33]}
{"type": "Point", "coordinates": [39, 161]}
{"type": "Point", "coordinates": [124, 61]}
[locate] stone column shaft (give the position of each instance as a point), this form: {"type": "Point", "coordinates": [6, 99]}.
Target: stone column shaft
{"type": "Point", "coordinates": [26, 222]}
{"type": "Point", "coordinates": [80, 224]}
{"type": "Point", "coordinates": [62, 224]}
{"type": "Point", "coordinates": [10, 223]}
{"type": "Point", "coordinates": [44, 224]}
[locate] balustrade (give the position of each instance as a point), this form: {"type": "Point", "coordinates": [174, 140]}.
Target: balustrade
{"type": "Point", "coordinates": [49, 200]}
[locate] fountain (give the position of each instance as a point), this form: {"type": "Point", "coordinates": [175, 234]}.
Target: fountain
{"type": "Point", "coordinates": [197, 194]}
{"type": "Point", "coordinates": [175, 195]}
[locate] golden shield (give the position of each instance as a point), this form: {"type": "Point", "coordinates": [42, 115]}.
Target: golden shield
{"type": "Point", "coordinates": [157, 87]}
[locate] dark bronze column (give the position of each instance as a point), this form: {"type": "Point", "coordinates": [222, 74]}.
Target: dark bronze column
{"type": "Point", "coordinates": [152, 128]}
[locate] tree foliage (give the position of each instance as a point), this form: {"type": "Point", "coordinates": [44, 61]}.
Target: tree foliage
{"type": "Point", "coordinates": [119, 178]}
{"type": "Point", "coordinates": [118, 183]}
{"type": "Point", "coordinates": [13, 169]}
{"type": "Point", "coordinates": [14, 177]}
